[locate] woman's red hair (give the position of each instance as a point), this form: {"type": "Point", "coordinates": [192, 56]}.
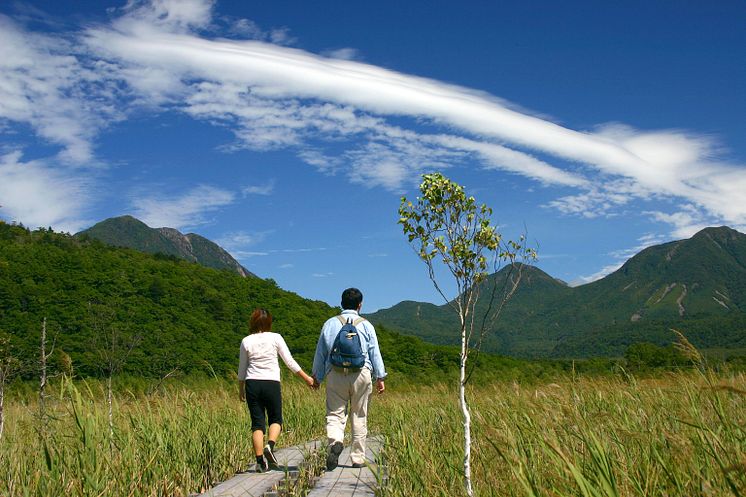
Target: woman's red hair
{"type": "Point", "coordinates": [261, 320]}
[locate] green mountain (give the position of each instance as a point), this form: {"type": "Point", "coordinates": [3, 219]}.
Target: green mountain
{"type": "Point", "coordinates": [696, 285]}
{"type": "Point", "coordinates": [175, 315]}
{"type": "Point", "coordinates": [127, 231]}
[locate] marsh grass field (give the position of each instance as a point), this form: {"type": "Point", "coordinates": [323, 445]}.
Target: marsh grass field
{"type": "Point", "coordinates": [676, 434]}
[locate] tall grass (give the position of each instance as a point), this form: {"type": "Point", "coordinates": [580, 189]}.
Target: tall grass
{"type": "Point", "coordinates": [176, 442]}
{"type": "Point", "coordinates": [680, 434]}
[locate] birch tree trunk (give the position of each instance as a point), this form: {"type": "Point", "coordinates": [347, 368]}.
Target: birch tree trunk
{"type": "Point", "coordinates": [43, 380]}
{"type": "Point", "coordinates": [109, 400]}
{"type": "Point", "coordinates": [2, 400]}
{"type": "Point", "coordinates": [465, 411]}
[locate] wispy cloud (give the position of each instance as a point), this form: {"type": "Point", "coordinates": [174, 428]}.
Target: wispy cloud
{"type": "Point", "coordinates": [165, 54]}
{"type": "Point", "coordinates": [685, 222]}
{"type": "Point", "coordinates": [49, 85]}
{"type": "Point", "coordinates": [236, 240]}
{"type": "Point", "coordinates": [181, 211]}
{"type": "Point", "coordinates": [281, 81]}
{"type": "Point", "coordinates": [240, 243]}
{"type": "Point", "coordinates": [39, 195]}
{"type": "Point", "coordinates": [342, 53]}
{"type": "Point", "coordinates": [620, 257]}
{"type": "Point", "coordinates": [265, 189]}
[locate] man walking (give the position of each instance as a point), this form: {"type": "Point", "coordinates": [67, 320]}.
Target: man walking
{"type": "Point", "coordinates": [348, 386]}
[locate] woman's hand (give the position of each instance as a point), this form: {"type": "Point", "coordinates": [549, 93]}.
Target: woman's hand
{"type": "Point", "coordinates": [308, 379]}
{"type": "Point", "coordinates": [242, 390]}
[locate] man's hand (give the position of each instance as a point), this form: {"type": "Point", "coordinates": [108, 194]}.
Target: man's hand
{"type": "Point", "coordinates": [380, 387]}
{"type": "Point", "coordinates": [316, 383]}
{"type": "Point", "coordinates": [242, 396]}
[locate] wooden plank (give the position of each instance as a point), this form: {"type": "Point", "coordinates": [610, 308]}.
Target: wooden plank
{"type": "Point", "coordinates": [346, 481]}
{"type": "Point", "coordinates": [253, 484]}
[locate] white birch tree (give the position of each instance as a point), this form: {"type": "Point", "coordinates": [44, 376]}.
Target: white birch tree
{"type": "Point", "coordinates": [446, 225]}
{"type": "Point", "coordinates": [113, 343]}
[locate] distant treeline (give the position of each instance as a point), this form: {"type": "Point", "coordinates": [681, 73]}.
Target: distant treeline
{"type": "Point", "coordinates": [163, 315]}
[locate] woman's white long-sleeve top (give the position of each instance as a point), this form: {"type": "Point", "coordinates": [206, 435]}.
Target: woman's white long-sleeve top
{"type": "Point", "coordinates": [258, 357]}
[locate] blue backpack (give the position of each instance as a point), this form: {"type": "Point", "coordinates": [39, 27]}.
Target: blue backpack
{"type": "Point", "coordinates": [347, 350]}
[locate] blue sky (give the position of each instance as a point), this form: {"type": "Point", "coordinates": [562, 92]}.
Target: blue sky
{"type": "Point", "coordinates": [288, 131]}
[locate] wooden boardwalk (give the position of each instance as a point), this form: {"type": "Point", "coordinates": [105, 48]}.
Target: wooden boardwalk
{"type": "Point", "coordinates": [252, 484]}
{"type": "Point", "coordinates": [346, 481]}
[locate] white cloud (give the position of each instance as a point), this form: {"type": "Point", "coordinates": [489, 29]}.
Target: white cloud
{"type": "Point", "coordinates": [601, 199]}
{"type": "Point", "coordinates": [182, 211]}
{"type": "Point", "coordinates": [241, 239]}
{"type": "Point", "coordinates": [604, 271]}
{"type": "Point", "coordinates": [37, 195]}
{"type": "Point", "coordinates": [238, 243]}
{"type": "Point", "coordinates": [301, 250]}
{"type": "Point", "coordinates": [158, 54]}
{"type": "Point", "coordinates": [173, 15]}
{"type": "Point", "coordinates": [620, 256]}
{"type": "Point", "coordinates": [245, 254]}
{"type": "Point", "coordinates": [686, 222]}
{"type": "Point", "coordinates": [346, 53]}
{"type": "Point", "coordinates": [44, 84]}
{"type": "Point", "coordinates": [265, 189]}
{"type": "Point", "coordinates": [283, 79]}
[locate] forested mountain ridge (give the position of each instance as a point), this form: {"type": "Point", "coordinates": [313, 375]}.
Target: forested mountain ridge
{"type": "Point", "coordinates": [127, 231]}
{"type": "Point", "coordinates": [177, 316]}
{"type": "Point", "coordinates": [698, 285]}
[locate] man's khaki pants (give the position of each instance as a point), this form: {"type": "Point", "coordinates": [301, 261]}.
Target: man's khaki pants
{"type": "Point", "coordinates": [353, 389]}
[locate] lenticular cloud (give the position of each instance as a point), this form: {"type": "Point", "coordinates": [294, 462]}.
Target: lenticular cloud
{"type": "Point", "coordinates": [167, 54]}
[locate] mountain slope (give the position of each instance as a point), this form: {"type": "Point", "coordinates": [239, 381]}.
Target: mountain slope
{"type": "Point", "coordinates": [185, 317]}
{"type": "Point", "coordinates": [127, 231]}
{"type": "Point", "coordinates": [697, 284]}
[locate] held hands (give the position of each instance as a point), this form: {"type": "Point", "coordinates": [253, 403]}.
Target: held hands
{"type": "Point", "coordinates": [311, 382]}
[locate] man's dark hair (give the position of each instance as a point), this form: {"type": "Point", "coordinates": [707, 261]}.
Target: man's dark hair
{"type": "Point", "coordinates": [351, 298]}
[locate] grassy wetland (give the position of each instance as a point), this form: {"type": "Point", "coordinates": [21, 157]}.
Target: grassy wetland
{"type": "Point", "coordinates": [676, 434]}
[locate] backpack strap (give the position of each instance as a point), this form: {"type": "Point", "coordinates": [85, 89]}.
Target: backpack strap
{"type": "Point", "coordinates": [356, 322]}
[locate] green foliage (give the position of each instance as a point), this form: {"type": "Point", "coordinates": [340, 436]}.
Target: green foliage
{"type": "Point", "coordinates": [447, 225]}
{"type": "Point", "coordinates": [643, 355]}
{"type": "Point", "coordinates": [445, 222]}
{"type": "Point", "coordinates": [182, 317]}
{"type": "Point", "coordinates": [697, 285]}
{"type": "Point", "coordinates": [187, 317]}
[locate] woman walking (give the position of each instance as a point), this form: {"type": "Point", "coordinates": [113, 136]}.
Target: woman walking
{"type": "Point", "coordinates": [259, 384]}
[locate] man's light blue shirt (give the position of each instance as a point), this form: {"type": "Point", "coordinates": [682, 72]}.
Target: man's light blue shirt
{"type": "Point", "coordinates": [368, 341]}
